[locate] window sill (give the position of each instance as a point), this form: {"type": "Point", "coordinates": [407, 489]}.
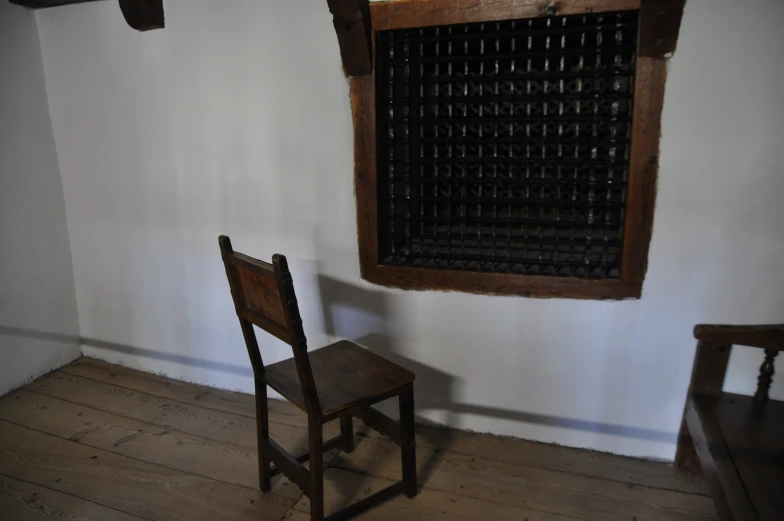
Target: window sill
{"type": "Point", "coordinates": [501, 283]}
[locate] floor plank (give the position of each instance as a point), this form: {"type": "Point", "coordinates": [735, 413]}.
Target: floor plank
{"type": "Point", "coordinates": [153, 444]}
{"type": "Point", "coordinates": [126, 484]}
{"type": "Point", "coordinates": [523, 486]}
{"type": "Point", "coordinates": [20, 501]}
{"type": "Point", "coordinates": [542, 455]}
{"type": "Point", "coordinates": [556, 457]}
{"type": "Point", "coordinates": [208, 397]}
{"type": "Point", "coordinates": [342, 488]}
{"type": "Point", "coordinates": [173, 450]}
{"type": "Point", "coordinates": [170, 414]}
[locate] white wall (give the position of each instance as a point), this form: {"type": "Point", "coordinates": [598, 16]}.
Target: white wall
{"type": "Point", "coordinates": [236, 119]}
{"type": "Point", "coordinates": [38, 322]}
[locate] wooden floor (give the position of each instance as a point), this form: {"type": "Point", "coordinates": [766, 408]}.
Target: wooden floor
{"type": "Point", "coordinates": [95, 441]}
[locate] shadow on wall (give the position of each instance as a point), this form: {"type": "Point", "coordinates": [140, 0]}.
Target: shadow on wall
{"type": "Point", "coordinates": [38, 334]}
{"type": "Point", "coordinates": [364, 316]}
{"type": "Point", "coordinates": [169, 357]}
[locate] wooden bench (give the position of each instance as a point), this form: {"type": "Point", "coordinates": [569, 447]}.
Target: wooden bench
{"type": "Point", "coordinates": [737, 441]}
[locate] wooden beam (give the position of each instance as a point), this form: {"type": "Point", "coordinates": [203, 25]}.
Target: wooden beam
{"type": "Point", "coordinates": [765, 337]}
{"type": "Point", "coordinates": [351, 19]}
{"type": "Point", "coordinates": [660, 22]}
{"type": "Point", "coordinates": [40, 4]}
{"type": "Point", "coordinates": [404, 14]}
{"type": "Point", "coordinates": [143, 15]}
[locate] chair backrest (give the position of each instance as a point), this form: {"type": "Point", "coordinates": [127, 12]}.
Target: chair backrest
{"type": "Point", "coordinates": [264, 296]}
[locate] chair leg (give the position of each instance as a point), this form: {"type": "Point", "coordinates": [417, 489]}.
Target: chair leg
{"type": "Point", "coordinates": [347, 430]}
{"type": "Point", "coordinates": [408, 441]}
{"type": "Point", "coordinates": [262, 435]}
{"type": "Point", "coordinates": [686, 459]}
{"type": "Point", "coordinates": [316, 470]}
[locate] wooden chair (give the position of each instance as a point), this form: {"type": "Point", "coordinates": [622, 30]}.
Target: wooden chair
{"type": "Point", "coordinates": [737, 441]}
{"type": "Point", "coordinates": [339, 381]}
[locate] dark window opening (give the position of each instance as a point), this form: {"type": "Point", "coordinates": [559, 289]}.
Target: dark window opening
{"type": "Point", "coordinates": [503, 147]}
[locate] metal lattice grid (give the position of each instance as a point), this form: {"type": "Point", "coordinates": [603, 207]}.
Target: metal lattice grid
{"type": "Point", "coordinates": [504, 146]}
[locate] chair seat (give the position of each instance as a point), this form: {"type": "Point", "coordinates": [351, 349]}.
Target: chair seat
{"type": "Point", "coordinates": [346, 375]}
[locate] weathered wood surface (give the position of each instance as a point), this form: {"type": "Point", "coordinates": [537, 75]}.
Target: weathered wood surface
{"type": "Point", "coordinates": [351, 19]}
{"type": "Point", "coordinates": [756, 444]}
{"type": "Point", "coordinates": [20, 501]}
{"type": "Point", "coordinates": [207, 397]}
{"type": "Point", "coordinates": [418, 13]}
{"type": "Point", "coordinates": [521, 452]}
{"type": "Point", "coordinates": [587, 463]}
{"type": "Point", "coordinates": [660, 23]}
{"type": "Point", "coordinates": [162, 412]}
{"type": "Point", "coordinates": [200, 458]}
{"type": "Point", "coordinates": [345, 374]}
{"type": "Point", "coordinates": [734, 441]}
{"type": "Point", "coordinates": [126, 484]}
{"type": "Point", "coordinates": [143, 441]}
{"type": "Point", "coordinates": [342, 488]}
{"type": "Point", "coordinates": [529, 487]}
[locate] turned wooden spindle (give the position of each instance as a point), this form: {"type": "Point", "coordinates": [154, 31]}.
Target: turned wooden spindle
{"type": "Point", "coordinates": [766, 376]}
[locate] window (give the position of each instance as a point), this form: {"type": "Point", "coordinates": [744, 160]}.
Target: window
{"type": "Point", "coordinates": [512, 155]}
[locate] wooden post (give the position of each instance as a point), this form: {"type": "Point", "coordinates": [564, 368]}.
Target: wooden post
{"type": "Point", "coordinates": [660, 23]}
{"type": "Point", "coordinates": [316, 471]}
{"type": "Point", "coordinates": [407, 441]}
{"type": "Point", "coordinates": [707, 377]}
{"type": "Point", "coordinates": [351, 19]}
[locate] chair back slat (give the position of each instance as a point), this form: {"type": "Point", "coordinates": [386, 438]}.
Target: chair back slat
{"type": "Point", "coordinates": [270, 326]}
{"type": "Point", "coordinates": [264, 296]}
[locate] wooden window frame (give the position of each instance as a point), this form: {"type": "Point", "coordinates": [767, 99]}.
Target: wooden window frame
{"type": "Point", "coordinates": [658, 31]}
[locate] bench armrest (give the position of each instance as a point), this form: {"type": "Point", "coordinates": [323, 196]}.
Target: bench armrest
{"type": "Point", "coordinates": [710, 367]}
{"type": "Point", "coordinates": [765, 337]}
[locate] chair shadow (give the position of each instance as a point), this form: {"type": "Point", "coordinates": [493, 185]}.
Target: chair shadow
{"type": "Point", "coordinates": [168, 357]}
{"type": "Point", "coordinates": [366, 317]}
{"type": "Point", "coordinates": [368, 324]}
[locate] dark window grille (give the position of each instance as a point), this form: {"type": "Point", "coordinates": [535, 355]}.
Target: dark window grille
{"type": "Point", "coordinates": [503, 147]}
